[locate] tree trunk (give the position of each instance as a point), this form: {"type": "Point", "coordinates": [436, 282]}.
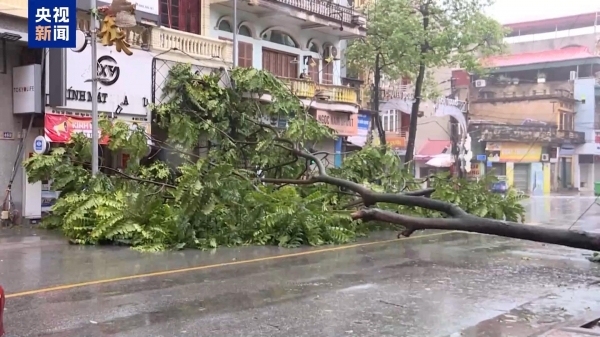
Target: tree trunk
{"type": "Point", "coordinates": [414, 113]}
{"type": "Point", "coordinates": [375, 113]}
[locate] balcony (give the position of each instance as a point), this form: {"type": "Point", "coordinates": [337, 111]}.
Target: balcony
{"type": "Point", "coordinates": [163, 39]}
{"type": "Point", "coordinates": [511, 92]}
{"type": "Point", "coordinates": [322, 92]}
{"type": "Point", "coordinates": [325, 9]}
{"type": "Point", "coordinates": [324, 16]}
{"type": "Point", "coordinates": [548, 134]}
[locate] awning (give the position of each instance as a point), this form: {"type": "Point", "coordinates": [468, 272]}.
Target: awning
{"type": "Point", "coordinates": [433, 148]}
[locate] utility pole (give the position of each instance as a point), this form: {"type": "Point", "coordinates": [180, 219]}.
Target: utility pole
{"type": "Point", "coordinates": [235, 34]}
{"type": "Point", "coordinates": [94, 52]}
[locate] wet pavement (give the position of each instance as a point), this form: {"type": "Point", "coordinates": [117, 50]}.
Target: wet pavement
{"type": "Point", "coordinates": [452, 284]}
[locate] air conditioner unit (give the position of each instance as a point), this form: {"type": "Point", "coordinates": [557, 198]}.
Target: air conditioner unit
{"type": "Point", "coordinates": [330, 51]}
{"type": "Point", "coordinates": [480, 83]}
{"type": "Point", "coordinates": [545, 157]}
{"type": "Point", "coordinates": [572, 75]}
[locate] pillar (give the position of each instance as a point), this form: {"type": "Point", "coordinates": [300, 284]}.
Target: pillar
{"type": "Point", "coordinates": [510, 173]}
{"type": "Point", "coordinates": [575, 171]}
{"type": "Point", "coordinates": [547, 178]}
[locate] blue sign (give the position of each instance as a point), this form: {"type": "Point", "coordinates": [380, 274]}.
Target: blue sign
{"type": "Point", "coordinates": [364, 121]}
{"type": "Point", "coordinates": [39, 145]}
{"type": "Point", "coordinates": [481, 157]}
{"type": "Point", "coordinates": [52, 23]}
{"type": "Point", "coordinates": [488, 164]}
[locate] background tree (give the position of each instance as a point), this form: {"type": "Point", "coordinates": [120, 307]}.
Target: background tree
{"type": "Point", "coordinates": [409, 37]}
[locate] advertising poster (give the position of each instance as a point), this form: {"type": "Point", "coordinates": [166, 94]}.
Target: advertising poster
{"type": "Point", "coordinates": [60, 128]}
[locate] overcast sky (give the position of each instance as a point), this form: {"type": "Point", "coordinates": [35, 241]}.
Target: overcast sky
{"type": "Point", "coordinates": [508, 11]}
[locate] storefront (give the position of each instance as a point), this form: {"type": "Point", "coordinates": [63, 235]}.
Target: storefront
{"type": "Point", "coordinates": [344, 125]}
{"type": "Point", "coordinates": [124, 93]}
{"type": "Point", "coordinates": [520, 164]}
{"type": "Point", "coordinates": [433, 157]}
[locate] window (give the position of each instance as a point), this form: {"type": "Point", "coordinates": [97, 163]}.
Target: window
{"type": "Point", "coordinates": [313, 69]}
{"type": "Point", "coordinates": [245, 31]}
{"type": "Point", "coordinates": [327, 72]}
{"type": "Point", "coordinates": [245, 51]}
{"type": "Point", "coordinates": [566, 121]}
{"type": "Point", "coordinates": [225, 26]}
{"type": "Point", "coordinates": [280, 63]}
{"type": "Point", "coordinates": [279, 37]}
{"type": "Point", "coordinates": [313, 47]}
{"type": "Point", "coordinates": [390, 121]}
{"type": "Point", "coordinates": [182, 15]}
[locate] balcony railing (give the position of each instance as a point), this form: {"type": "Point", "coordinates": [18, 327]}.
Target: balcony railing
{"type": "Point", "coordinates": [194, 45]}
{"type": "Point", "coordinates": [335, 93]}
{"type": "Point", "coordinates": [162, 38]}
{"type": "Point", "coordinates": [327, 9]}
{"type": "Point", "coordinates": [549, 134]}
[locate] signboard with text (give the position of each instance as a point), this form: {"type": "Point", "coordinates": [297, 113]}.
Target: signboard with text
{"type": "Point", "coordinates": [344, 124]}
{"type": "Point", "coordinates": [60, 128]}
{"type": "Point", "coordinates": [124, 82]}
{"type": "Point", "coordinates": [52, 23]}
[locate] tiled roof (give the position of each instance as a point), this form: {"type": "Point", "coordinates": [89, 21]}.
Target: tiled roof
{"type": "Point", "coordinates": [432, 148]}
{"type": "Point", "coordinates": [565, 54]}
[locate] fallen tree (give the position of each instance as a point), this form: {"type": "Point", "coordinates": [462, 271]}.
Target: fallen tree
{"type": "Point", "coordinates": [225, 175]}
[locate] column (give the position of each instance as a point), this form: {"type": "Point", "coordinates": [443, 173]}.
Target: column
{"type": "Point", "coordinates": [547, 178]}
{"type": "Point", "coordinates": [510, 173]}
{"type": "Point", "coordinates": [576, 174]}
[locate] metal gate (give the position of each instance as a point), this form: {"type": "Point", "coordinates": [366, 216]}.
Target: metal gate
{"type": "Point", "coordinates": [160, 75]}
{"type": "Point", "coordinates": [521, 177]}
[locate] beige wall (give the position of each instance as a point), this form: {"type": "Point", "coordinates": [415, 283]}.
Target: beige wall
{"type": "Point", "coordinates": [516, 112]}
{"type": "Point", "coordinates": [512, 104]}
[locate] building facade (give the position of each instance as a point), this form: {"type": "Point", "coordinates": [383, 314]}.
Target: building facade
{"type": "Point", "coordinates": [533, 118]}
{"type": "Point", "coordinates": [299, 42]}
{"type": "Point", "coordinates": [58, 81]}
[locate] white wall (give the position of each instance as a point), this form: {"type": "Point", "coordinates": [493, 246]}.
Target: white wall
{"type": "Point", "coordinates": [259, 25]}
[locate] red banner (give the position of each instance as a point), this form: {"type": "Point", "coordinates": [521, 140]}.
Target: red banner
{"type": "Point", "coordinates": [59, 128]}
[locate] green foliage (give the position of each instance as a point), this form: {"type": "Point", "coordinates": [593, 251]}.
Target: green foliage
{"type": "Point", "coordinates": [457, 33]}
{"type": "Point", "coordinates": [209, 193]}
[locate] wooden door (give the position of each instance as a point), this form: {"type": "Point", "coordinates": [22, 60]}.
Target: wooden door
{"type": "Point", "coordinates": [279, 63]}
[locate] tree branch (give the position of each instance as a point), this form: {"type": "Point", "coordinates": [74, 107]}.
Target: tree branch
{"type": "Point", "coordinates": [469, 223]}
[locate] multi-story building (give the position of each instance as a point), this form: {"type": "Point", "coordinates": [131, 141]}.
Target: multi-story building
{"type": "Point", "coordinates": [299, 42]}
{"type": "Point", "coordinates": [168, 32]}
{"type": "Point", "coordinates": [533, 118]}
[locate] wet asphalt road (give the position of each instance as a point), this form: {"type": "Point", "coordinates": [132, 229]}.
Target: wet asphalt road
{"type": "Point", "coordinates": [435, 285]}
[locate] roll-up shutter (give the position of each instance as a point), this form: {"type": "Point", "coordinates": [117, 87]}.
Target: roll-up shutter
{"type": "Point", "coordinates": [521, 177]}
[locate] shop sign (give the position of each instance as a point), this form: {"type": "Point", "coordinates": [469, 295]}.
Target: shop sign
{"type": "Point", "coordinates": [27, 89]}
{"type": "Point", "coordinates": [364, 121]}
{"type": "Point", "coordinates": [513, 152]}
{"type": "Point", "coordinates": [396, 142]}
{"type": "Point", "coordinates": [344, 124]}
{"type": "Point", "coordinates": [124, 82]}
{"type": "Point", "coordinates": [60, 128]}
{"type": "Point", "coordinates": [40, 145]}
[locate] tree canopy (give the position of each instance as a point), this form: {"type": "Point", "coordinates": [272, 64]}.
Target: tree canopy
{"type": "Point", "coordinates": [240, 180]}
{"type": "Point", "coordinates": [411, 38]}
